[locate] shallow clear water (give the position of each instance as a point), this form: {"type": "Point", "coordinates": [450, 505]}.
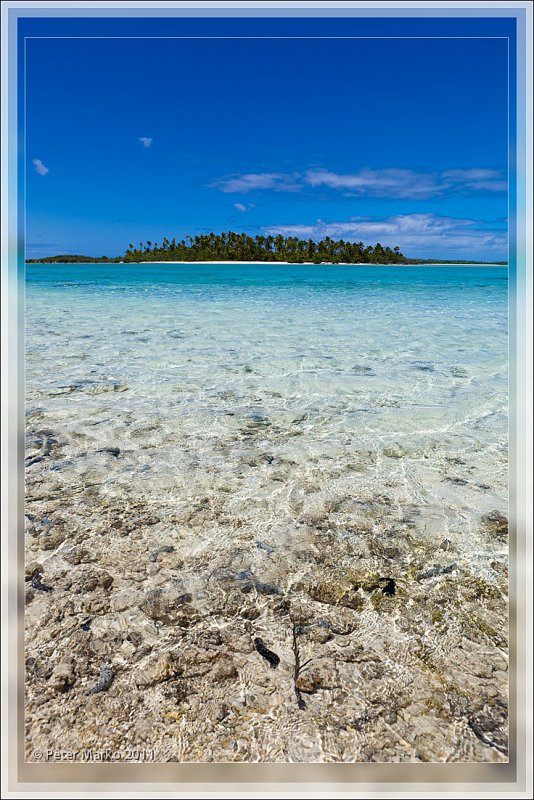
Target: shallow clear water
{"type": "Point", "coordinates": [347, 358]}
{"type": "Point", "coordinates": [264, 410]}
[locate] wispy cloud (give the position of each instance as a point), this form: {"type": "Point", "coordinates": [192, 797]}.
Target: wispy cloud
{"type": "Point", "coordinates": [382, 182]}
{"type": "Point", "coordinates": [259, 181]}
{"type": "Point", "coordinates": [426, 235]}
{"type": "Point", "coordinates": [243, 208]}
{"type": "Point", "coordinates": [40, 167]}
{"type": "Point", "coordinates": [391, 182]}
{"type": "Point", "coordinates": [490, 180]}
{"type": "Point", "coordinates": [146, 141]}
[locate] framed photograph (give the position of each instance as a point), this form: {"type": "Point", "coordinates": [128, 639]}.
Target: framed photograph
{"type": "Point", "coordinates": [267, 284]}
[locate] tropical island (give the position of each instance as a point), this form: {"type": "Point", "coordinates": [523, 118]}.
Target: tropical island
{"type": "Point", "coordinates": [231, 246]}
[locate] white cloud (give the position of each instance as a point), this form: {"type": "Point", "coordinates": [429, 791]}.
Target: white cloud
{"type": "Point", "coordinates": [146, 141]}
{"type": "Point", "coordinates": [253, 181]}
{"type": "Point", "coordinates": [379, 182]}
{"type": "Point", "coordinates": [406, 183]}
{"type": "Point", "coordinates": [425, 235]}
{"type": "Point", "coordinates": [40, 167]}
{"type": "Point", "coordinates": [491, 180]}
{"type": "Point", "coordinates": [243, 208]}
{"type": "Point", "coordinates": [391, 182]}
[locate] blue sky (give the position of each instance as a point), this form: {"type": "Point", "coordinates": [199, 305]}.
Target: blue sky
{"type": "Point", "coordinates": [401, 141]}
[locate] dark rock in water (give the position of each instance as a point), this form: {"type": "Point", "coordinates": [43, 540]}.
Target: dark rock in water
{"type": "Point", "coordinates": [318, 630]}
{"type": "Point", "coordinates": [113, 451]}
{"type": "Point", "coordinates": [455, 460]}
{"type": "Point", "coordinates": [261, 588]}
{"type": "Point", "coordinates": [62, 465]}
{"type": "Point", "coordinates": [267, 654]}
{"type": "Point", "coordinates": [258, 418]}
{"type": "Point", "coordinates": [155, 553]}
{"type": "Point", "coordinates": [254, 424]}
{"type": "Point", "coordinates": [104, 682]}
{"type": "Point", "coordinates": [457, 481]}
{"type": "Point", "coordinates": [360, 369]}
{"type": "Point", "coordinates": [386, 585]}
{"type": "Point", "coordinates": [389, 587]}
{"type": "Point", "coordinates": [266, 547]}
{"type": "Point", "coordinates": [243, 575]}
{"type": "Point", "coordinates": [250, 612]}
{"type": "Point", "coordinates": [423, 366]}
{"type": "Point", "coordinates": [283, 607]}
{"type": "Point", "coordinates": [34, 460]}
{"type": "Point", "coordinates": [36, 583]}
{"type": "Point", "coordinates": [71, 386]}
{"type": "Point", "coordinates": [302, 629]}
{"type": "Point", "coordinates": [434, 571]}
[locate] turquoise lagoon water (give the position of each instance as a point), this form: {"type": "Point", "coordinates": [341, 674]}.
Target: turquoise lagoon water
{"type": "Point", "coordinates": [369, 379]}
{"type": "Point", "coordinates": [293, 425]}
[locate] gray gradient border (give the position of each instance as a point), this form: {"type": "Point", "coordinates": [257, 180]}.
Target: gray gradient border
{"type": "Point", "coordinates": [359, 780]}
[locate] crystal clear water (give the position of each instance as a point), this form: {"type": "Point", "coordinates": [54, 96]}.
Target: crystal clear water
{"type": "Point", "coordinates": [260, 407]}
{"type": "Point", "coordinates": [325, 361]}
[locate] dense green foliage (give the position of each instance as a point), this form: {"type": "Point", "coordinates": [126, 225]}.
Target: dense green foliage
{"type": "Point", "coordinates": [241, 247]}
{"type": "Point", "coordinates": [72, 259]}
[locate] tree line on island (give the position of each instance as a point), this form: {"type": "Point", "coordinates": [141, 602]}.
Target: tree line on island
{"type": "Point", "coordinates": [230, 246]}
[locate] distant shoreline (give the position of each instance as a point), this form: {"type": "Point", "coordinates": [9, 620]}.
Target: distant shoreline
{"type": "Point", "coordinates": [283, 263]}
{"type": "Point", "coordinates": [230, 247]}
